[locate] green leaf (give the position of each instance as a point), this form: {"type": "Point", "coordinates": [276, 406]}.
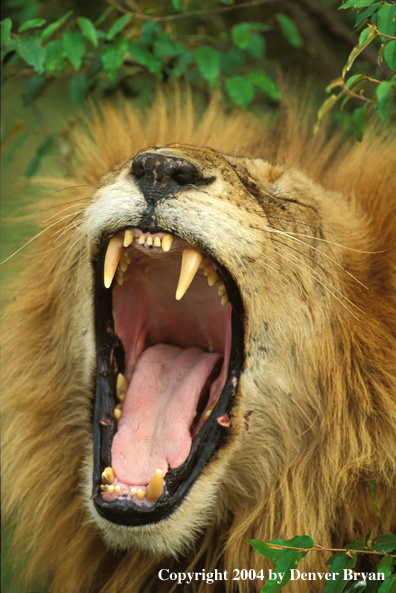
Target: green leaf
{"type": "Point", "coordinates": [77, 89]}
{"type": "Point", "coordinates": [35, 87]}
{"type": "Point", "coordinates": [240, 35]}
{"type": "Point", "coordinates": [358, 119]}
{"type": "Point", "coordinates": [265, 550]}
{"type": "Point", "coordinates": [324, 108]}
{"type": "Point", "coordinates": [390, 54]}
{"type": "Point", "coordinates": [389, 585]}
{"type": "Point", "coordinates": [150, 31]}
{"type": "Point", "coordinates": [285, 564]}
{"type": "Point", "coordinates": [118, 26]}
{"type": "Point", "coordinates": [385, 543]}
{"type": "Point", "coordinates": [386, 22]}
{"type": "Point", "coordinates": [266, 85]}
{"type": "Point", "coordinates": [384, 94]}
{"type": "Point", "coordinates": [145, 58]}
{"type": "Point", "coordinates": [42, 151]}
{"type": "Point", "coordinates": [104, 16]}
{"type": "Point", "coordinates": [165, 47]}
{"type": "Point", "coordinates": [338, 563]}
{"type": "Point", "coordinates": [289, 30]}
{"type": "Point", "coordinates": [113, 56]}
{"type": "Point", "coordinates": [208, 63]}
{"type": "Point", "coordinates": [256, 46]}
{"type": "Point", "coordinates": [31, 50]}
{"type": "Point", "coordinates": [55, 61]}
{"type": "Point", "coordinates": [240, 89]}
{"type": "Point", "coordinates": [18, 143]}
{"type": "Point", "coordinates": [177, 4]}
{"type": "Point", "coordinates": [357, 50]}
{"type": "Point", "coordinates": [353, 79]}
{"type": "Point", "coordinates": [31, 24]}
{"type": "Point", "coordinates": [385, 566]}
{"type": "Point", "coordinates": [48, 31]}
{"type": "Point", "coordinates": [88, 28]}
{"type": "Point", "coordinates": [356, 3]}
{"type": "Point", "coordinates": [363, 35]}
{"type": "Point", "coordinates": [182, 64]}
{"type": "Point", "coordinates": [6, 27]}
{"type": "Point", "coordinates": [365, 14]}
{"type": "Point", "coordinates": [74, 46]}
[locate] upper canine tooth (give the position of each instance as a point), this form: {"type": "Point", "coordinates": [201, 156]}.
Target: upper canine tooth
{"type": "Point", "coordinates": [128, 238]}
{"type": "Point", "coordinates": [155, 487]}
{"type": "Point", "coordinates": [167, 242]}
{"type": "Point", "coordinates": [191, 260]}
{"type": "Point", "coordinates": [115, 249]}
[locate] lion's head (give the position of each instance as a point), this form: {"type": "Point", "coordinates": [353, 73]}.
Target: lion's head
{"type": "Point", "coordinates": [204, 352]}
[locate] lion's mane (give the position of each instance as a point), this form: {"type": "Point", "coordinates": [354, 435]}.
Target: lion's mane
{"type": "Point", "coordinates": [315, 480]}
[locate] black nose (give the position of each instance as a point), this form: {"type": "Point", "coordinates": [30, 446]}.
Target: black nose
{"type": "Point", "coordinates": [154, 168]}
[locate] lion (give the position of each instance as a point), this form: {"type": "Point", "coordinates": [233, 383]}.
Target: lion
{"type": "Point", "coordinates": [201, 351]}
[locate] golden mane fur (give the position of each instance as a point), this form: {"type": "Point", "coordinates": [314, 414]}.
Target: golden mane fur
{"type": "Point", "coordinates": [311, 457]}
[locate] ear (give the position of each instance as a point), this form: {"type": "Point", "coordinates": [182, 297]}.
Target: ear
{"type": "Point", "coordinates": [254, 170]}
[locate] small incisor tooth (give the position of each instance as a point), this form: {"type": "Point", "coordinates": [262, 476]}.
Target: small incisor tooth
{"type": "Point", "coordinates": [167, 241]}
{"type": "Point", "coordinates": [149, 241]}
{"type": "Point", "coordinates": [155, 487]}
{"type": "Point", "coordinates": [115, 249]}
{"type": "Point", "coordinates": [142, 239]}
{"type": "Point", "coordinates": [128, 238]}
{"type": "Point", "coordinates": [118, 412]}
{"type": "Point", "coordinates": [157, 242]}
{"type": "Point", "coordinates": [140, 494]}
{"type": "Point", "coordinates": [191, 260]}
{"type": "Point", "coordinates": [121, 387]}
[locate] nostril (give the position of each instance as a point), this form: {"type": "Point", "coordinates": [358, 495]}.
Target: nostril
{"type": "Point", "coordinates": [138, 168]}
{"type": "Point", "coordinates": [184, 174]}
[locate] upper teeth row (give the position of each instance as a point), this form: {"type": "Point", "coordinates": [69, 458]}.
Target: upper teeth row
{"type": "Point", "coordinates": [117, 261]}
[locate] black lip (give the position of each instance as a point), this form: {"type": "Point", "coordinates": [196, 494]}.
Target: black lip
{"type": "Point", "coordinates": [209, 439]}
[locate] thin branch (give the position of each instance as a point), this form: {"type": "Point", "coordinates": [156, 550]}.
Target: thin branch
{"type": "Point", "coordinates": [176, 17]}
{"type": "Point", "coordinates": [322, 549]}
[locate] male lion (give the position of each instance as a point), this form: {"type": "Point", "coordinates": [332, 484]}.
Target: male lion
{"type": "Point", "coordinates": [202, 350]}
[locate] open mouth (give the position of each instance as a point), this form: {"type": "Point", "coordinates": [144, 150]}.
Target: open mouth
{"type": "Point", "coordinates": [169, 333]}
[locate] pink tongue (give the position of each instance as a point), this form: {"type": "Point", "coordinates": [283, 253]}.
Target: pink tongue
{"type": "Point", "coordinates": [154, 430]}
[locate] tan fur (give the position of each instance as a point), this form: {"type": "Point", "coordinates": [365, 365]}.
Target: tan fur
{"type": "Point", "coordinates": [318, 395]}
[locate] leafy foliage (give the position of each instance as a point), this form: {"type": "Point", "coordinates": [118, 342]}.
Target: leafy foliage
{"type": "Point", "coordinates": [376, 21]}
{"type": "Point", "coordinates": [286, 554]}
{"type": "Point", "coordinates": [107, 48]}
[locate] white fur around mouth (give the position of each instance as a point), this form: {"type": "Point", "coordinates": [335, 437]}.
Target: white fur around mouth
{"type": "Point", "coordinates": [119, 256]}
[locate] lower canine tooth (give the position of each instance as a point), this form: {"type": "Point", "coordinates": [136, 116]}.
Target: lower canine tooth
{"type": "Point", "coordinates": [167, 242]}
{"type": "Point", "coordinates": [108, 475]}
{"type": "Point", "coordinates": [115, 249]}
{"type": "Point", "coordinates": [191, 260]}
{"type": "Point", "coordinates": [121, 387]}
{"type": "Point", "coordinates": [156, 486]}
